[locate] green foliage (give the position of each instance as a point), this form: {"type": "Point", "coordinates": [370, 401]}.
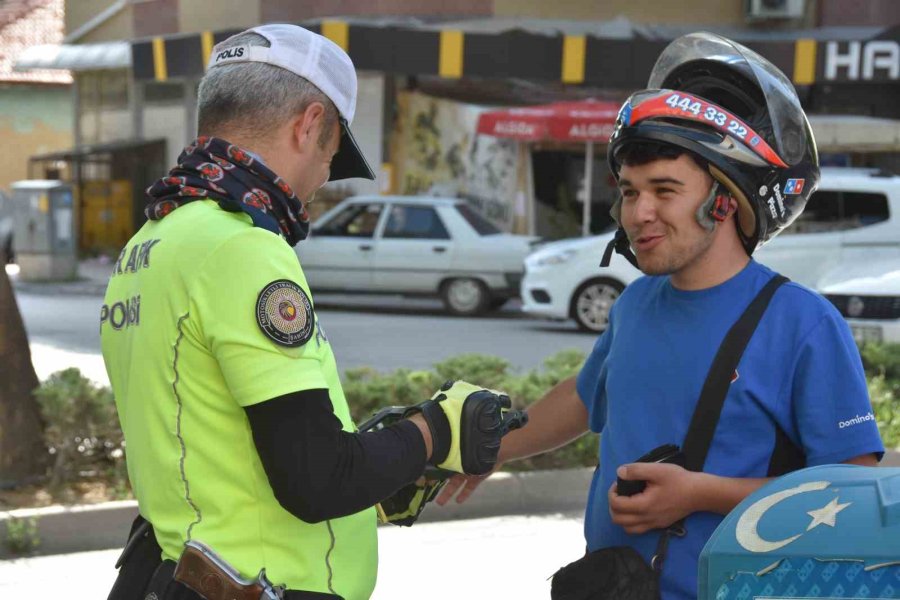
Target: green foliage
{"type": "Point", "coordinates": [882, 359]}
{"type": "Point", "coordinates": [882, 365]}
{"type": "Point", "coordinates": [886, 406]}
{"type": "Point", "coordinates": [368, 390]}
{"type": "Point", "coordinates": [480, 369]}
{"type": "Point", "coordinates": [82, 431]}
{"type": "Point", "coordinates": [22, 535]}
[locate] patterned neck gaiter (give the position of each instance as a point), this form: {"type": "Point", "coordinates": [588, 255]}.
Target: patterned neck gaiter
{"type": "Point", "coordinates": [213, 169]}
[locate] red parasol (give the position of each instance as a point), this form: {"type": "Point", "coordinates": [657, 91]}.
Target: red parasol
{"type": "Point", "coordinates": [586, 121]}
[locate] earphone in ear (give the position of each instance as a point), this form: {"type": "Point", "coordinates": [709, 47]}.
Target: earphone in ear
{"type": "Point", "coordinates": [719, 210]}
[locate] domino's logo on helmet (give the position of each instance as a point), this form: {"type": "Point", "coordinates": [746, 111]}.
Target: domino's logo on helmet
{"type": "Point", "coordinates": [624, 117]}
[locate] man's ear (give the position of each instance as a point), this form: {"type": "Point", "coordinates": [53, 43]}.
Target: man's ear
{"type": "Point", "coordinates": [732, 205]}
{"type": "Point", "coordinates": [306, 125]}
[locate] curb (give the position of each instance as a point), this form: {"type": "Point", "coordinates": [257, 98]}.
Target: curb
{"type": "Point", "coordinates": [82, 287]}
{"type": "Point", "coordinates": [66, 529]}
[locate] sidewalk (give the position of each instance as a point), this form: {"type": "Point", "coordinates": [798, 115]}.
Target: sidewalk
{"type": "Point", "coordinates": [93, 275]}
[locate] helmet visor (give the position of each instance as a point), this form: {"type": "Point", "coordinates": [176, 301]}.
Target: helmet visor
{"type": "Point", "coordinates": [789, 127]}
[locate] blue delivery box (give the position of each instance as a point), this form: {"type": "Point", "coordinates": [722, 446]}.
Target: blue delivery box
{"type": "Point", "coordinates": [824, 532]}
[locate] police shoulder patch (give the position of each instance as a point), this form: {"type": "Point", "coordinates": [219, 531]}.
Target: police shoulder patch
{"type": "Point", "coordinates": [285, 314]}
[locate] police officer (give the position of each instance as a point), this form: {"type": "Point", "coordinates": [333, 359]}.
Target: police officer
{"type": "Point", "coordinates": [239, 436]}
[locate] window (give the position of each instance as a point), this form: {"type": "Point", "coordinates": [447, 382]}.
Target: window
{"type": "Point", "coordinates": [415, 223]}
{"type": "Point", "coordinates": [114, 88]}
{"type": "Point", "coordinates": [865, 208]}
{"type": "Point", "coordinates": [830, 210]}
{"type": "Point", "coordinates": [88, 83]}
{"type": "Point", "coordinates": [163, 92]}
{"type": "Point", "coordinates": [357, 220]}
{"type": "Point", "coordinates": [481, 225]}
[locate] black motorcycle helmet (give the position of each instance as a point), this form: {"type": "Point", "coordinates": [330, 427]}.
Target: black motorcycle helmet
{"type": "Point", "coordinates": [732, 107]}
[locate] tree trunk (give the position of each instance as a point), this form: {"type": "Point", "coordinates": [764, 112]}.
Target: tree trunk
{"type": "Point", "coordinates": [23, 456]}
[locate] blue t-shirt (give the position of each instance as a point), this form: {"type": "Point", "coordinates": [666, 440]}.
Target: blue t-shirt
{"type": "Point", "coordinates": [801, 372]}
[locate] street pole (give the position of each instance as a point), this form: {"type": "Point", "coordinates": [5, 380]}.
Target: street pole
{"type": "Point", "coordinates": [588, 187]}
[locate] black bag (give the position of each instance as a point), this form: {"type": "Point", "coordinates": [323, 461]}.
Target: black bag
{"type": "Point", "coordinates": [620, 573]}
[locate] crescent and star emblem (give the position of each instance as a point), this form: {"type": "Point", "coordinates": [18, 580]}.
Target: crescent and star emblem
{"type": "Point", "coordinates": [747, 532]}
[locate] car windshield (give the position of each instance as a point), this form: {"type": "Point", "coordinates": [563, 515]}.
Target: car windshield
{"type": "Point", "coordinates": [356, 220]}
{"type": "Point", "coordinates": [481, 225]}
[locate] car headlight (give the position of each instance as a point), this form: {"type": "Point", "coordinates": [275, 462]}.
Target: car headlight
{"type": "Point", "coordinates": [557, 258]}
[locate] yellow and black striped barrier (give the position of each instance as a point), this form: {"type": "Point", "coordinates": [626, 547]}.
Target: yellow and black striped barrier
{"type": "Point", "coordinates": [453, 54]}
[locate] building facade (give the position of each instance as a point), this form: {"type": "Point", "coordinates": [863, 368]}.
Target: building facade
{"type": "Point", "coordinates": [842, 55]}
{"type": "Point", "coordinates": [35, 106]}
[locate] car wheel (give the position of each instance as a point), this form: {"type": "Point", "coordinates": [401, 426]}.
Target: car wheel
{"type": "Point", "coordinates": [592, 302]}
{"type": "Point", "coordinates": [465, 296]}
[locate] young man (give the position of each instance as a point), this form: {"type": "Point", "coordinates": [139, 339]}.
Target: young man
{"type": "Point", "coordinates": [714, 161]}
{"type": "Point", "coordinates": [239, 435]}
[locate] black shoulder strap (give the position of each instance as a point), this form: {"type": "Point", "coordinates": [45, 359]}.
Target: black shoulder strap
{"type": "Point", "coordinates": [715, 388]}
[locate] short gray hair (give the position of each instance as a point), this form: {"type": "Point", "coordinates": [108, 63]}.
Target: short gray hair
{"type": "Point", "coordinates": [254, 98]}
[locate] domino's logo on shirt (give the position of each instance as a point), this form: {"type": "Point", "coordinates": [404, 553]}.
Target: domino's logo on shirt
{"type": "Point", "coordinates": [794, 186]}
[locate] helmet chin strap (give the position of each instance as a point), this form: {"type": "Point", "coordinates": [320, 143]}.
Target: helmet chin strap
{"type": "Point", "coordinates": [620, 244]}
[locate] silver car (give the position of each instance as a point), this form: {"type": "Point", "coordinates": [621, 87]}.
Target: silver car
{"type": "Point", "coordinates": [414, 245]}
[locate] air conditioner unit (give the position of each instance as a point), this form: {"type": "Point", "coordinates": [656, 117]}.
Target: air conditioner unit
{"type": "Point", "coordinates": [775, 9]}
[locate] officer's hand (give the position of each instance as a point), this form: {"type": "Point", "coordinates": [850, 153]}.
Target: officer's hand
{"type": "Point", "coordinates": [668, 497]}
{"type": "Point", "coordinates": [466, 424]}
{"type": "Point", "coordinates": [407, 503]}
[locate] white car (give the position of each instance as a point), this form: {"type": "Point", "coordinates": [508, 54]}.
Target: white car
{"type": "Point", "coordinates": [853, 218]}
{"type": "Point", "coordinates": [869, 298]}
{"type": "Point", "coordinates": [564, 280]}
{"type": "Point", "coordinates": [416, 246]}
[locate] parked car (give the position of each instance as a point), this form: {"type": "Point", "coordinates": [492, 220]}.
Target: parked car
{"type": "Point", "coordinates": [416, 246]}
{"type": "Point", "coordinates": [6, 227]}
{"type": "Point", "coordinates": [853, 219]}
{"type": "Point", "coordinates": [869, 298]}
{"type": "Point", "coordinates": [564, 280]}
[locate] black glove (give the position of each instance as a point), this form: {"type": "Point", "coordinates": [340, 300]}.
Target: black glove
{"type": "Point", "coordinates": [406, 504]}
{"type": "Point", "coordinates": [482, 419]}
{"type": "Point", "coordinates": [466, 424]}
{"type": "Point", "coordinates": [404, 507]}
